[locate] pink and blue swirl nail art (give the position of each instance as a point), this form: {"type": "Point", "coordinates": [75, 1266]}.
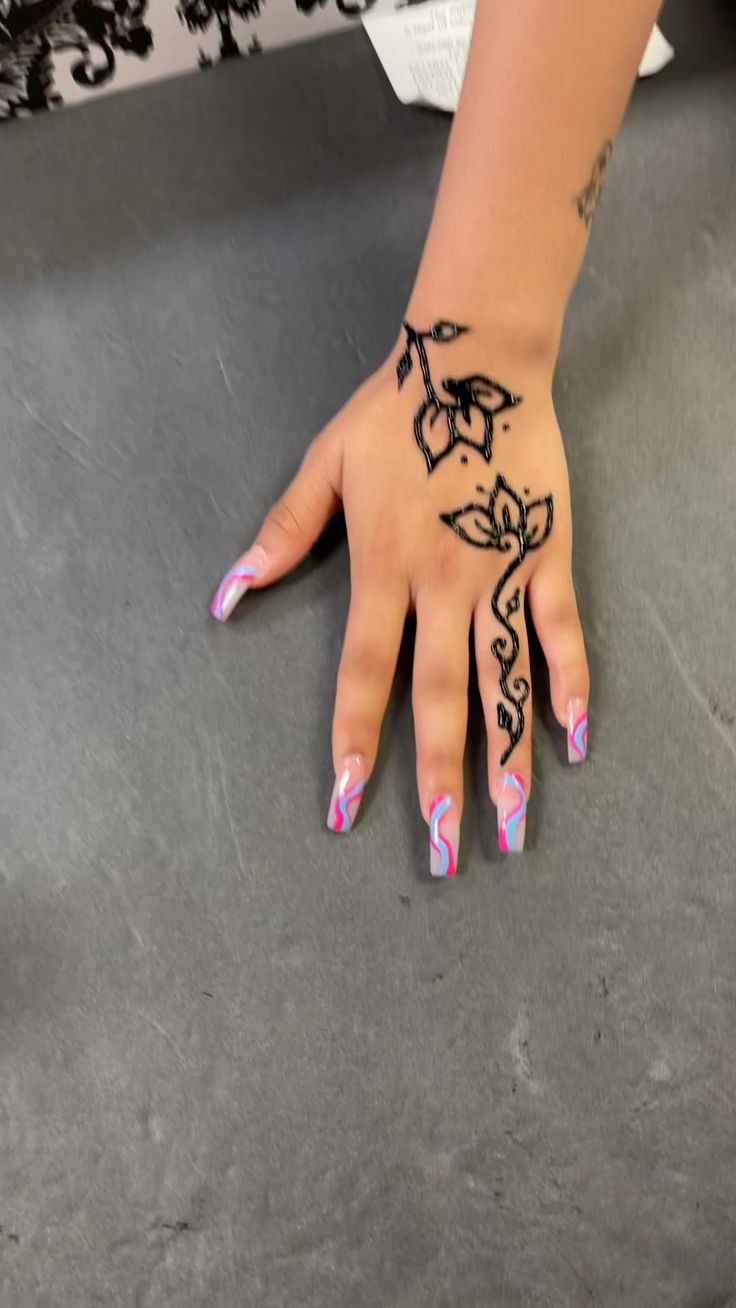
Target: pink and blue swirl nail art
{"type": "Point", "coordinates": [347, 795]}
{"type": "Point", "coordinates": [444, 836]}
{"type": "Point", "coordinates": [236, 582]}
{"type": "Point", "coordinates": [512, 806]}
{"type": "Point", "coordinates": [577, 731]}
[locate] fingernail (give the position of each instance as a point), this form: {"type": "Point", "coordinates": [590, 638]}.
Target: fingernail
{"type": "Point", "coordinates": [511, 807]}
{"type": "Point", "coordinates": [577, 731]}
{"type": "Point", "coordinates": [236, 582]}
{"type": "Point", "coordinates": [444, 836]}
{"type": "Point", "coordinates": [347, 794]}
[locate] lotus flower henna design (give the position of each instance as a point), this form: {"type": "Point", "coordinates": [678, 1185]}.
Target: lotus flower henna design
{"type": "Point", "coordinates": [505, 522]}
{"type": "Point", "coordinates": [509, 524]}
{"type": "Point", "coordinates": [462, 410]}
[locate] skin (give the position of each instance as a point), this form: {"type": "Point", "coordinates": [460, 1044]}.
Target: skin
{"type": "Point", "coordinates": [503, 252]}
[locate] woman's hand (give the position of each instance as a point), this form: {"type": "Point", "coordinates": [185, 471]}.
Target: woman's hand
{"type": "Point", "coordinates": [451, 471]}
{"type": "Point", "coordinates": [449, 461]}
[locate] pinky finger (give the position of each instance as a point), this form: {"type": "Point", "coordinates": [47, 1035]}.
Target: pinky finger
{"type": "Point", "coordinates": [556, 620]}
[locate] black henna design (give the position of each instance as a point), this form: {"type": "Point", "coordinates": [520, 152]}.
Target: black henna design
{"type": "Point", "coordinates": [463, 397]}
{"type": "Point", "coordinates": [508, 524]}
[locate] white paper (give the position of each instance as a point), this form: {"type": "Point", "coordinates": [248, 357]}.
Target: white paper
{"type": "Point", "coordinates": [424, 49]}
{"type": "Point", "coordinates": [657, 55]}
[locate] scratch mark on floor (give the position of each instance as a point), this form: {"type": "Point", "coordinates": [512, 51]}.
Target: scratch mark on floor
{"type": "Point", "coordinates": [16, 519]}
{"type": "Point", "coordinates": [226, 380]}
{"type": "Point", "coordinates": [168, 1038]}
{"type": "Point", "coordinates": [70, 452]}
{"type": "Point", "coordinates": [519, 1047]}
{"type": "Point", "coordinates": [76, 434]}
{"type": "Point", "coordinates": [119, 888]}
{"type": "Point", "coordinates": [226, 802]}
{"type": "Point", "coordinates": [50, 431]}
{"type": "Point", "coordinates": [355, 347]}
{"type": "Point", "coordinates": [135, 932]}
{"type": "Point", "coordinates": [203, 778]}
{"type": "Point", "coordinates": [686, 674]}
{"type": "Point", "coordinates": [145, 231]}
{"type": "Point", "coordinates": [216, 669]}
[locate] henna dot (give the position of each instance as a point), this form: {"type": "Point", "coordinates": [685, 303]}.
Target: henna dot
{"type": "Point", "coordinates": [464, 458]}
{"type": "Point", "coordinates": [481, 490]}
{"type": "Point", "coordinates": [506, 427]}
{"type": "Point", "coordinates": [527, 491]}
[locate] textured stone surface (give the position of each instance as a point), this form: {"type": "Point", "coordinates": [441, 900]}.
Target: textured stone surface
{"type": "Point", "coordinates": [244, 1063]}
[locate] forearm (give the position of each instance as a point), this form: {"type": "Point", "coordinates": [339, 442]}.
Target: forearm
{"type": "Point", "coordinates": [546, 88]}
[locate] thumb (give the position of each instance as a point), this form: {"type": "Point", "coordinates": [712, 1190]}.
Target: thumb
{"type": "Point", "coordinates": [291, 528]}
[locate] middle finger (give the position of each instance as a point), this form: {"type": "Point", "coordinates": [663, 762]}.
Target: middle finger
{"type": "Point", "coordinates": [440, 703]}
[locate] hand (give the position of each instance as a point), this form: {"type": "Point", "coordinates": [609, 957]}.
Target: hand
{"type": "Point", "coordinates": [456, 499]}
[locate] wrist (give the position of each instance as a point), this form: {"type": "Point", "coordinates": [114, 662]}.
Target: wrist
{"type": "Point", "coordinates": [516, 350]}
{"type": "Point", "coordinates": [518, 336]}
{"type": "Point", "coordinates": [467, 387]}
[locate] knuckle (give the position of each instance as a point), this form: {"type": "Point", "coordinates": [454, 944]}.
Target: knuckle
{"type": "Point", "coordinates": [439, 762]}
{"type": "Point", "coordinates": [373, 554]}
{"type": "Point", "coordinates": [284, 518]}
{"type": "Point", "coordinates": [565, 647]}
{"type": "Point", "coordinates": [366, 662]}
{"type": "Point", "coordinates": [440, 683]}
{"type": "Point", "coordinates": [383, 550]}
{"type": "Point", "coordinates": [354, 732]}
{"type": "Point", "coordinates": [318, 464]}
{"type": "Point", "coordinates": [563, 618]}
{"type": "Point", "coordinates": [571, 672]}
{"type": "Point", "coordinates": [445, 565]}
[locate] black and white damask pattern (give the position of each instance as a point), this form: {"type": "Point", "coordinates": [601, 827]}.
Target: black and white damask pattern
{"type": "Point", "coordinates": [89, 38]}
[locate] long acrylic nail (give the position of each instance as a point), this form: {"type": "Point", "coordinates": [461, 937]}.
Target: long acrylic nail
{"type": "Point", "coordinates": [444, 836]}
{"type": "Point", "coordinates": [236, 582]}
{"type": "Point", "coordinates": [347, 794]}
{"type": "Point", "coordinates": [577, 731]}
{"type": "Point", "coordinates": [511, 805]}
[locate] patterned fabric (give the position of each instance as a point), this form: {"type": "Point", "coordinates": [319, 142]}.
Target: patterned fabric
{"type": "Point", "coordinates": [55, 52]}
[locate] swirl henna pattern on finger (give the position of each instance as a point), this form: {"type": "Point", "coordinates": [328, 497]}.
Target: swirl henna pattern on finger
{"type": "Point", "coordinates": [513, 526]}
{"type": "Point", "coordinates": [462, 410]}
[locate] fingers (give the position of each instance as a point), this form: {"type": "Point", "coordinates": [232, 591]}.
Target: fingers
{"type": "Point", "coordinates": [372, 639]}
{"type": "Point", "coordinates": [555, 613]}
{"type": "Point", "coordinates": [502, 657]}
{"type": "Point", "coordinates": [293, 525]}
{"type": "Point", "coordinates": [440, 702]}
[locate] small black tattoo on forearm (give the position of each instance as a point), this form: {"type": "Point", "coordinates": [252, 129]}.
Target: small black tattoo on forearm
{"type": "Point", "coordinates": [586, 201]}
{"type": "Point", "coordinates": [514, 526]}
{"type": "Point", "coordinates": [462, 410]}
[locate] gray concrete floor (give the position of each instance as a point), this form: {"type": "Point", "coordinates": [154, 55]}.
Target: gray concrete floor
{"type": "Point", "coordinates": [244, 1063]}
